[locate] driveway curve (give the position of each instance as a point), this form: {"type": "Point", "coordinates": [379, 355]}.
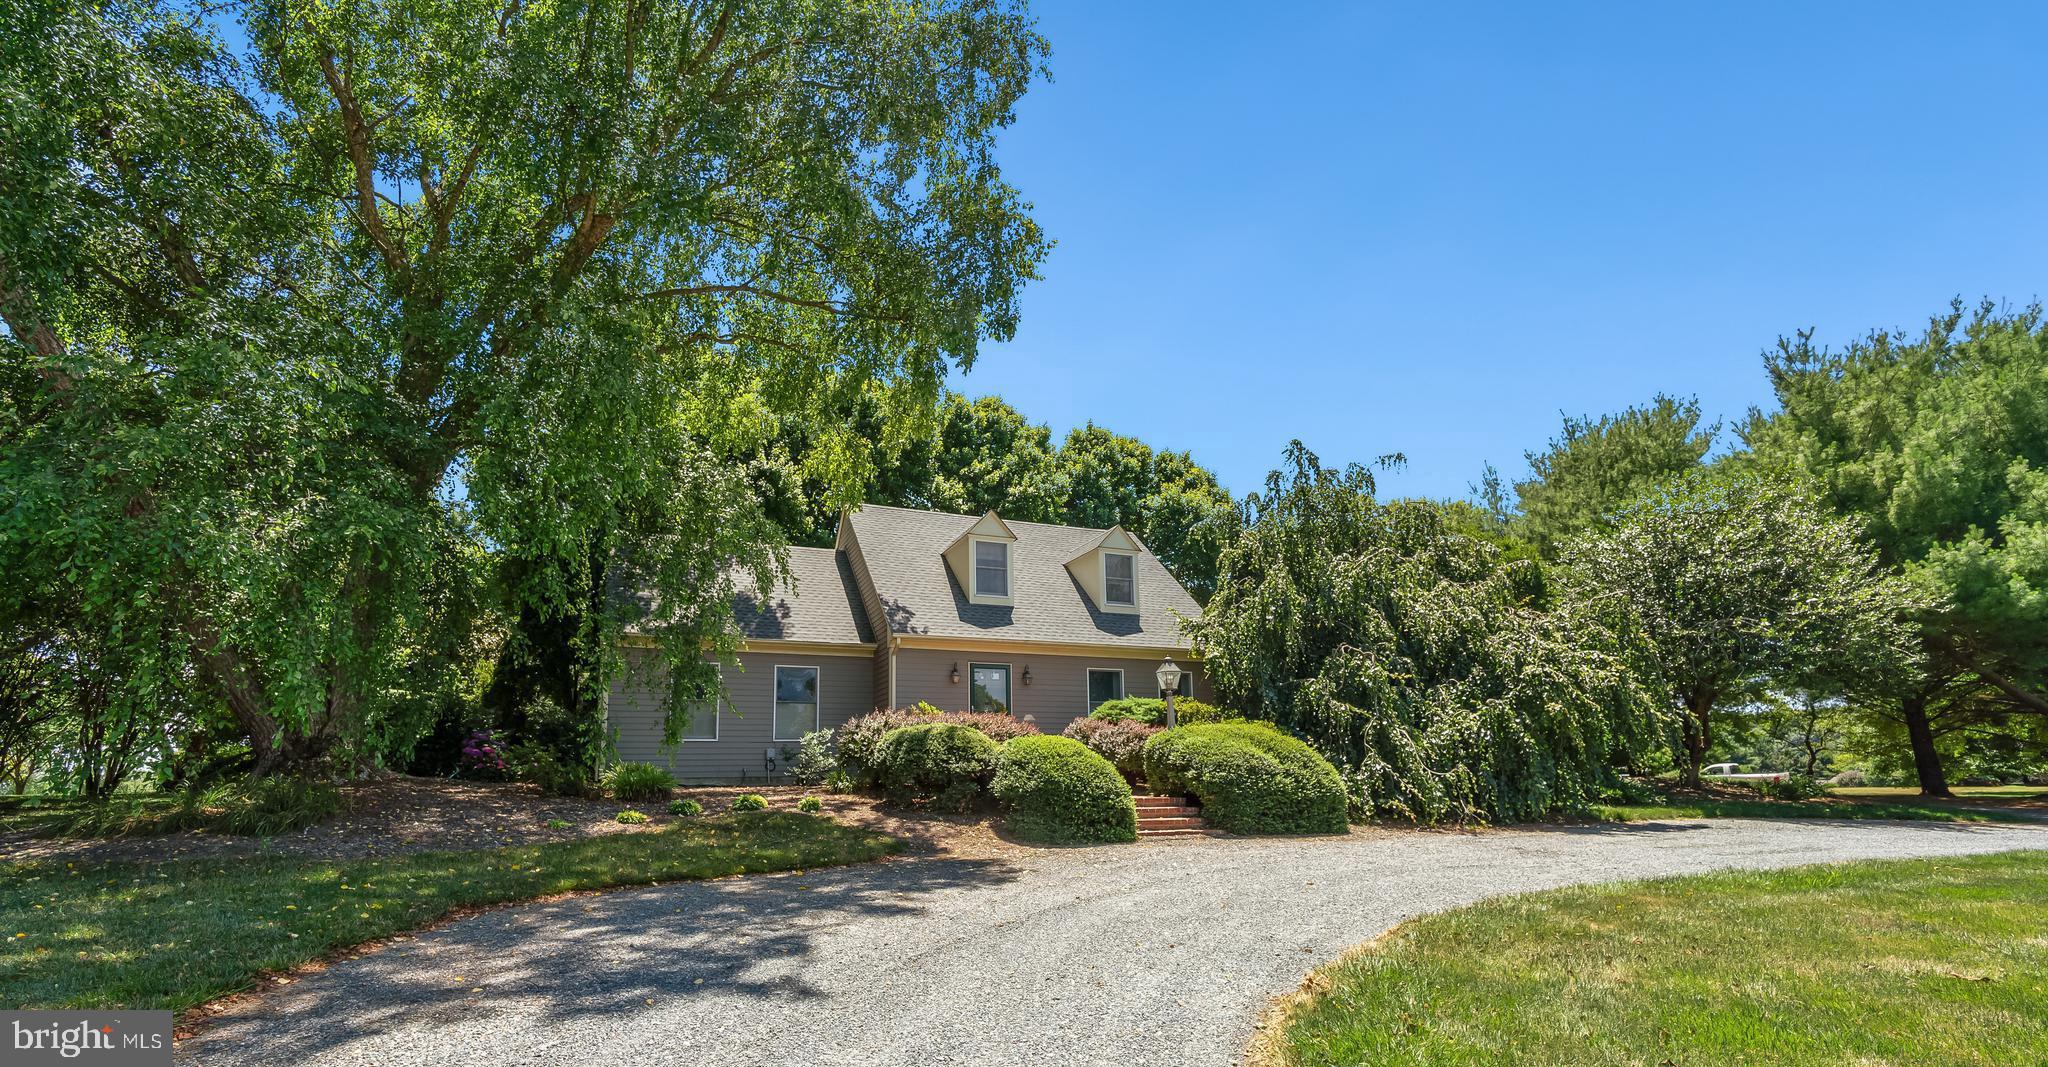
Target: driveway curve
{"type": "Point", "coordinates": [1160, 954]}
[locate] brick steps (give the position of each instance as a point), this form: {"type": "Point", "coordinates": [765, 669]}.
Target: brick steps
{"type": "Point", "coordinates": [1168, 816]}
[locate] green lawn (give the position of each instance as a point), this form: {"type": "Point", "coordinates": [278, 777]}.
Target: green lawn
{"type": "Point", "coordinates": [1936, 962]}
{"type": "Point", "coordinates": [171, 935]}
{"type": "Point", "coordinates": [1997, 795]}
{"type": "Point", "coordinates": [1805, 809]}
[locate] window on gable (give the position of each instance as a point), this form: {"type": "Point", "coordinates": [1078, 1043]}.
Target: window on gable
{"type": "Point", "coordinates": [1120, 578]}
{"type": "Point", "coordinates": [991, 568]}
{"type": "Point", "coordinates": [1104, 685]}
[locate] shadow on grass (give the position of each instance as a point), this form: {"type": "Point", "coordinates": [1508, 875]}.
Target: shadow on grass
{"type": "Point", "coordinates": [590, 956]}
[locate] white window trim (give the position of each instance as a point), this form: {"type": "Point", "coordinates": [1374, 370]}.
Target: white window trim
{"type": "Point", "coordinates": [774, 698]}
{"type": "Point", "coordinates": [974, 593]}
{"type": "Point", "coordinates": [1009, 684]}
{"type": "Point", "coordinates": [717, 716]}
{"type": "Point", "coordinates": [1103, 563]}
{"type": "Point", "coordinates": [1088, 687]}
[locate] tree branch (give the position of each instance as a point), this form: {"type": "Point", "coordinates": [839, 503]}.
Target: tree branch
{"type": "Point", "coordinates": [357, 135]}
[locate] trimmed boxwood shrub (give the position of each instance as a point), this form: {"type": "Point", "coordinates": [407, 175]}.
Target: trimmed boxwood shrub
{"type": "Point", "coordinates": [1120, 741]}
{"type": "Point", "coordinates": [1152, 711]}
{"type": "Point", "coordinates": [1060, 792]}
{"type": "Point", "coordinates": [858, 743]}
{"type": "Point", "coordinates": [1250, 778]}
{"type": "Point", "coordinates": [945, 763]}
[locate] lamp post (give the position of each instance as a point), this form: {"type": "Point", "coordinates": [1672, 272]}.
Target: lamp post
{"type": "Point", "coordinates": [1169, 684]}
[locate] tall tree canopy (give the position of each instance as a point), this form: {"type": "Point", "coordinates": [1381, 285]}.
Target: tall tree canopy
{"type": "Point", "coordinates": [1409, 653]}
{"type": "Point", "coordinates": [1937, 445]}
{"type": "Point", "coordinates": [1737, 584]}
{"type": "Point", "coordinates": [288, 324]}
{"type": "Point", "coordinates": [1595, 465]}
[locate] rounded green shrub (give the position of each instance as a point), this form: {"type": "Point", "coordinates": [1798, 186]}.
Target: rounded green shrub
{"type": "Point", "coordinates": [638, 781]}
{"type": "Point", "coordinates": [1249, 777]}
{"type": "Point", "coordinates": [629, 816]}
{"type": "Point", "coordinates": [1152, 711]}
{"type": "Point", "coordinates": [810, 804]}
{"type": "Point", "coordinates": [749, 802]}
{"type": "Point", "coordinates": [1060, 792]}
{"type": "Point", "coordinates": [684, 806]}
{"type": "Point", "coordinates": [944, 763]}
{"type": "Point", "coordinates": [858, 743]}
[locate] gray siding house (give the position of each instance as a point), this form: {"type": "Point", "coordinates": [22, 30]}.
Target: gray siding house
{"type": "Point", "coordinates": [958, 611]}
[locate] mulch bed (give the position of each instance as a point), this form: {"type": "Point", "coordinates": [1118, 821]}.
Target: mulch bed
{"type": "Point", "coordinates": [395, 814]}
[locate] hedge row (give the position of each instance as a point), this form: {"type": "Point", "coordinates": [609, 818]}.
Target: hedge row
{"type": "Point", "coordinates": [1250, 778]}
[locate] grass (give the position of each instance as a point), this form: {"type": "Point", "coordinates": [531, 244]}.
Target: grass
{"type": "Point", "coordinates": [172, 935]}
{"type": "Point", "coordinates": [1996, 795]}
{"type": "Point", "coordinates": [1801, 809]}
{"type": "Point", "coordinates": [1902, 962]}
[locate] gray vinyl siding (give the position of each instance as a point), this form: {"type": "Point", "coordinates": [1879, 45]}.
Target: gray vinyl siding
{"type": "Point", "coordinates": [1057, 695]}
{"type": "Point", "coordinates": [745, 724]}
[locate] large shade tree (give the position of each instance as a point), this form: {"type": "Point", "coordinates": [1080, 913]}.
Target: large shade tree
{"type": "Point", "coordinates": [1593, 466]}
{"type": "Point", "coordinates": [1414, 656]}
{"type": "Point", "coordinates": [294, 311]}
{"type": "Point", "coordinates": [1738, 585]}
{"type": "Point", "coordinates": [1936, 444]}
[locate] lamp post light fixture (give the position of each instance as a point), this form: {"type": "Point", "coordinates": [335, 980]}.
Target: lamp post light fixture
{"type": "Point", "coordinates": [1169, 684]}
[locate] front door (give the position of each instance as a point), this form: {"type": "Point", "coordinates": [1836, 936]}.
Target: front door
{"type": "Point", "coordinates": [991, 689]}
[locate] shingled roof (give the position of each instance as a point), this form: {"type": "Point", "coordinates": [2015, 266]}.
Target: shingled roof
{"type": "Point", "coordinates": [902, 549]}
{"type": "Point", "coordinates": [824, 606]}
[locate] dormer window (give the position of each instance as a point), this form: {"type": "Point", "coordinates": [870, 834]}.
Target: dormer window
{"type": "Point", "coordinates": [1120, 579]}
{"type": "Point", "coordinates": [991, 568]}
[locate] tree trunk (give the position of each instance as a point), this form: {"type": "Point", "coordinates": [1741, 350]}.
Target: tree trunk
{"type": "Point", "coordinates": [1699, 735]}
{"type": "Point", "coordinates": [1926, 759]}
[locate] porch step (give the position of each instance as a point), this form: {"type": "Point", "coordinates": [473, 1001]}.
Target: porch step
{"type": "Point", "coordinates": [1150, 835]}
{"type": "Point", "coordinates": [1168, 816]}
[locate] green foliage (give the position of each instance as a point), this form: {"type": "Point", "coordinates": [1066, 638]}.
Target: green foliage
{"type": "Point", "coordinates": [638, 781]}
{"type": "Point", "coordinates": [748, 802]}
{"type": "Point", "coordinates": [1152, 711]}
{"type": "Point", "coordinates": [542, 765]}
{"type": "Point", "coordinates": [1734, 580]}
{"type": "Point", "coordinates": [304, 320]}
{"type": "Point", "coordinates": [858, 741]}
{"type": "Point", "coordinates": [1250, 778]}
{"type": "Point", "coordinates": [1596, 465]}
{"type": "Point", "coordinates": [558, 824]}
{"type": "Point", "coordinates": [1058, 792]}
{"type": "Point", "coordinates": [630, 817]}
{"type": "Point", "coordinates": [684, 807]}
{"type": "Point", "coordinates": [944, 763]}
{"type": "Point", "coordinates": [1790, 787]}
{"type": "Point", "coordinates": [811, 761]}
{"type": "Point", "coordinates": [1120, 741]}
{"type": "Point", "coordinates": [810, 804]}
{"type": "Point", "coordinates": [1936, 445]}
{"type": "Point", "coordinates": [1415, 657]}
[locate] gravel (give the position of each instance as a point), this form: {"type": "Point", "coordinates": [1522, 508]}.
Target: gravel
{"type": "Point", "coordinates": [1157, 954]}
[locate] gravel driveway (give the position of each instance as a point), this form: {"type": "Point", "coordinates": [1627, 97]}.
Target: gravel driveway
{"type": "Point", "coordinates": [1160, 954]}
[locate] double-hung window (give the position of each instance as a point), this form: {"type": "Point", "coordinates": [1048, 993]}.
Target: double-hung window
{"type": "Point", "coordinates": [1104, 685]}
{"type": "Point", "coordinates": [703, 714]}
{"type": "Point", "coordinates": [992, 568]}
{"type": "Point", "coordinates": [1120, 579]}
{"type": "Point", "coordinates": [796, 702]}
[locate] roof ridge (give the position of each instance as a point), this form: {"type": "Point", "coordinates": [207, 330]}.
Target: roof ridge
{"type": "Point", "coordinates": [999, 514]}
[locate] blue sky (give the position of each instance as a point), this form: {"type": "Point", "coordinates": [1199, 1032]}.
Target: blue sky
{"type": "Point", "coordinates": [1431, 228]}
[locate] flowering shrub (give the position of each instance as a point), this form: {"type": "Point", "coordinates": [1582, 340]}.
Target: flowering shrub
{"type": "Point", "coordinates": [859, 741]}
{"type": "Point", "coordinates": [1120, 741]}
{"type": "Point", "coordinates": [481, 756]}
